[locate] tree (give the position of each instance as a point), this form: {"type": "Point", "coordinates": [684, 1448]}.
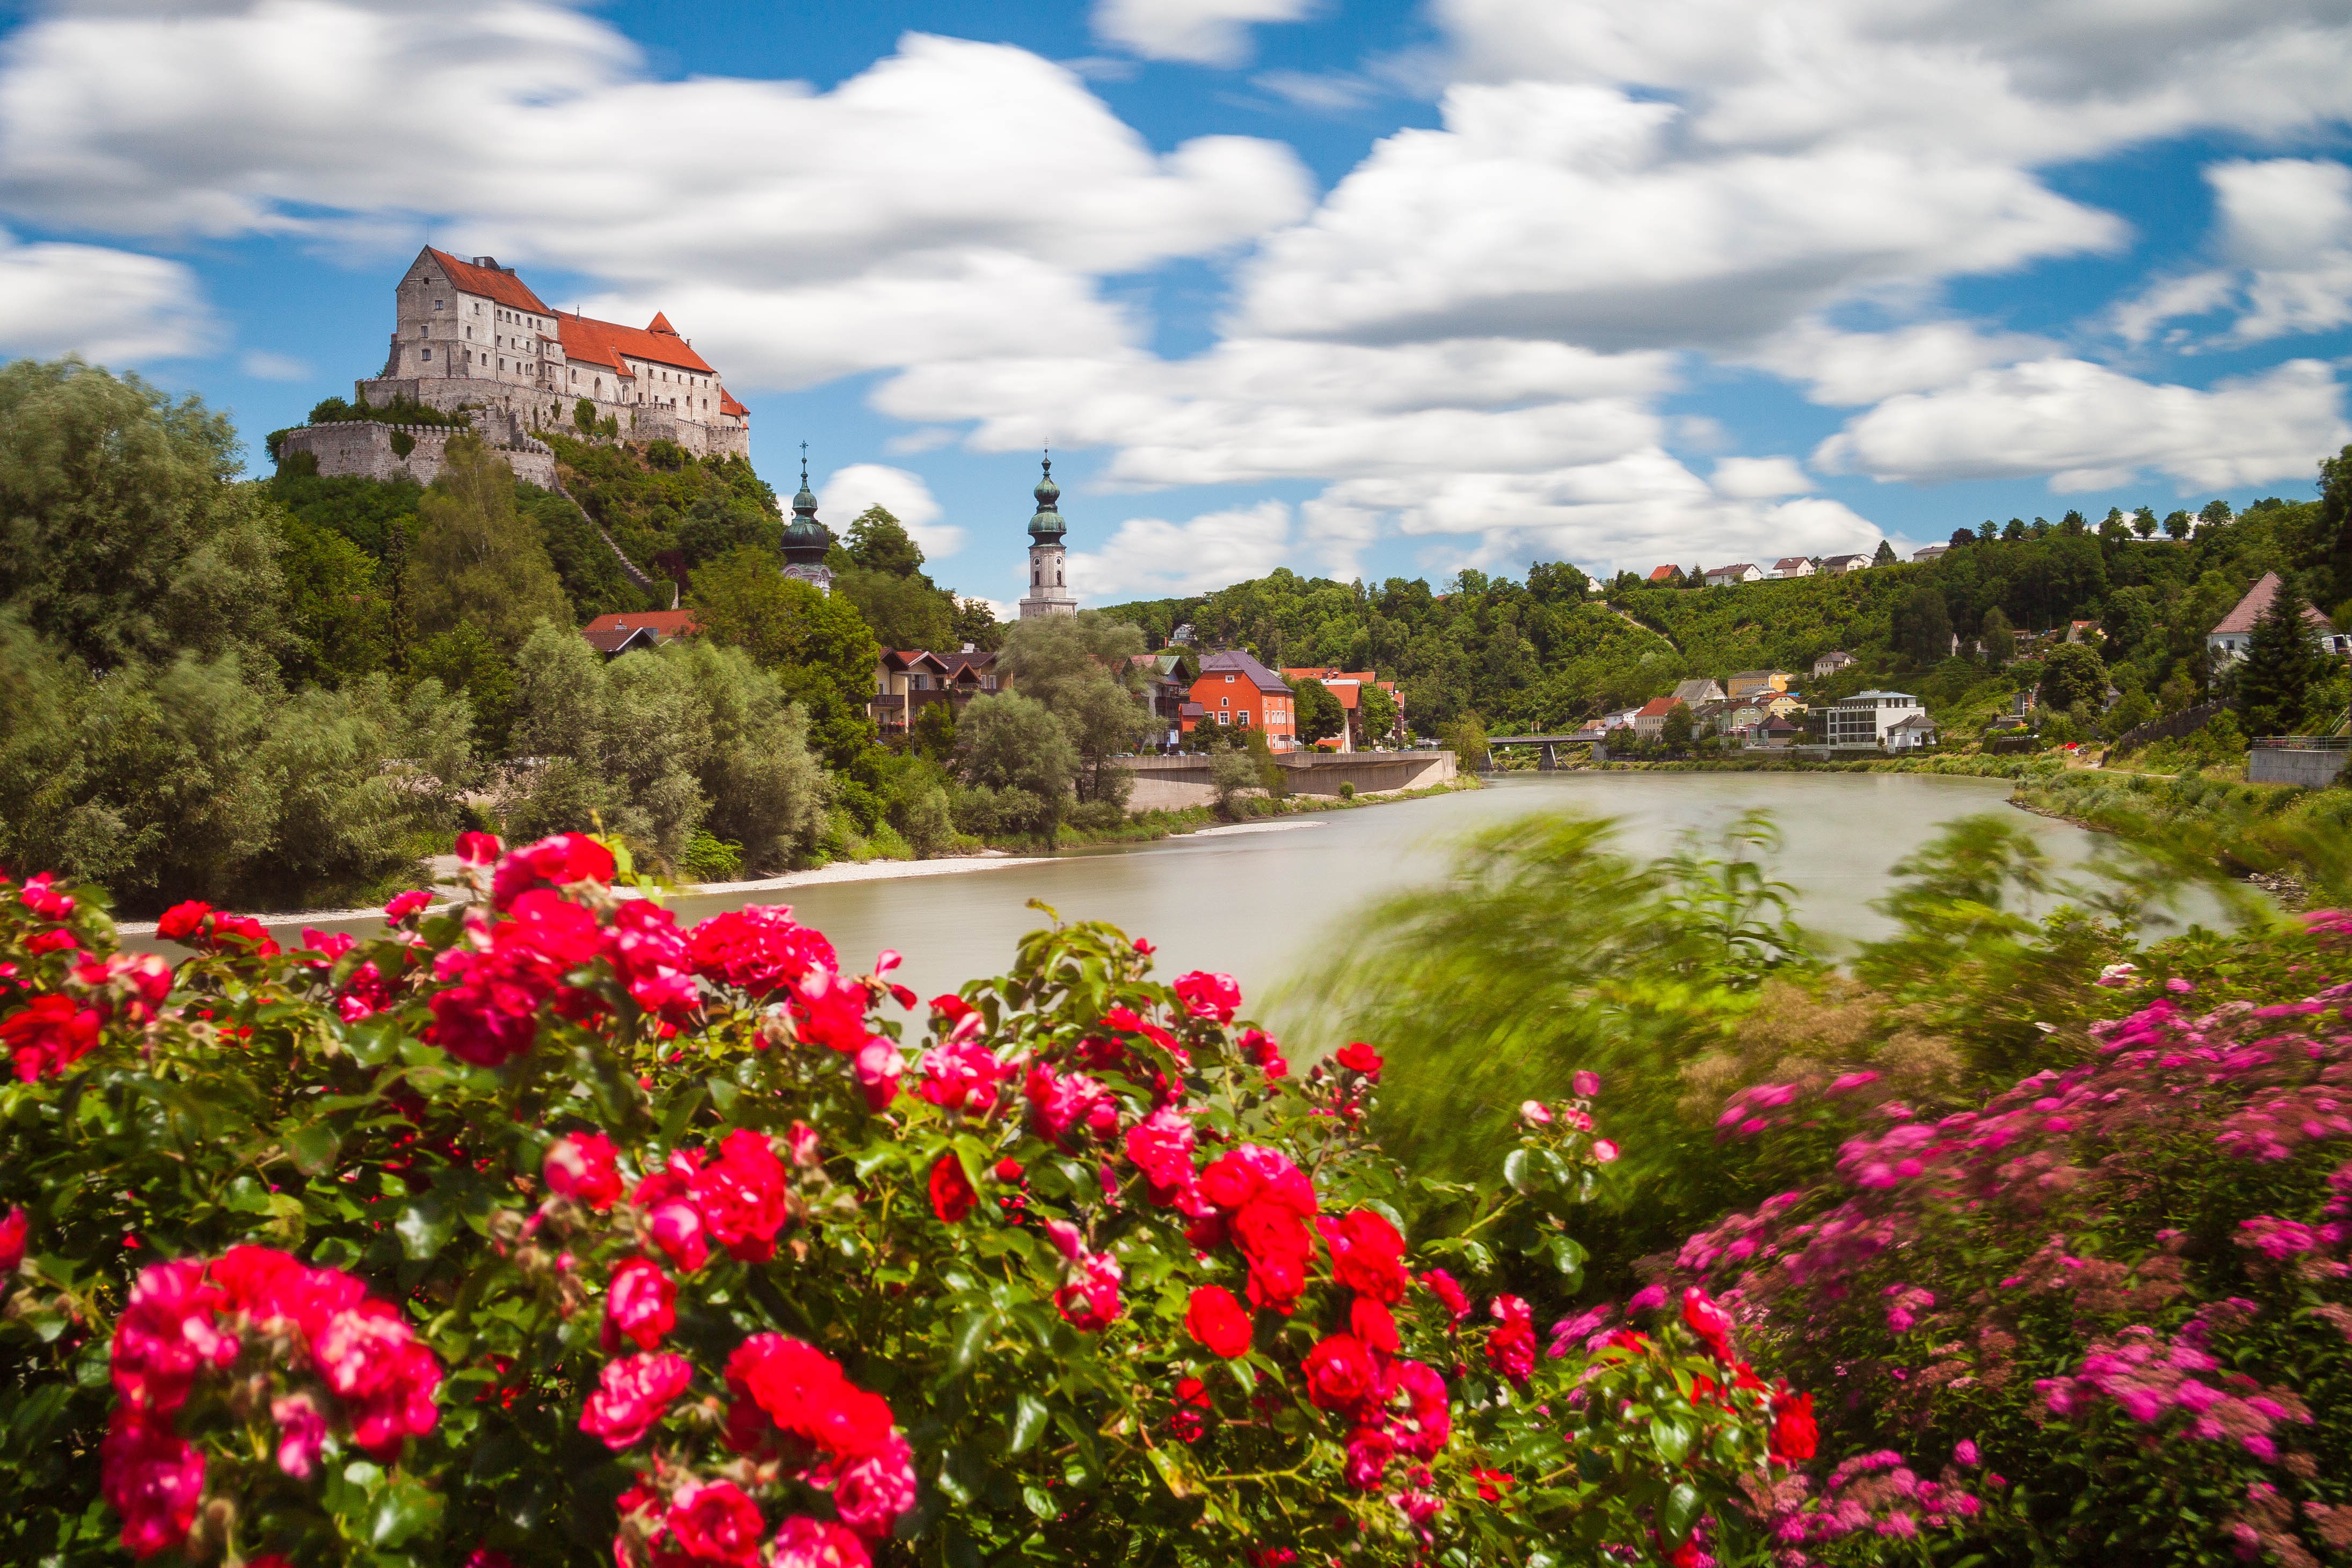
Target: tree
{"type": "Point", "coordinates": [817, 645]}
{"type": "Point", "coordinates": [2214, 513]}
{"type": "Point", "coordinates": [465, 660]}
{"type": "Point", "coordinates": [1378, 711]}
{"type": "Point", "coordinates": [2073, 672]}
{"type": "Point", "coordinates": [1885, 556]}
{"type": "Point", "coordinates": [2014, 530]}
{"type": "Point", "coordinates": [880, 542]}
{"type": "Point", "coordinates": [2178, 523]}
{"type": "Point", "coordinates": [1080, 667]}
{"type": "Point", "coordinates": [2274, 683]}
{"type": "Point", "coordinates": [2332, 568]}
{"type": "Point", "coordinates": [1962, 536]}
{"type": "Point", "coordinates": [1466, 738]}
{"type": "Point", "coordinates": [976, 625]}
{"type": "Point", "coordinates": [933, 732]}
{"type": "Point", "coordinates": [583, 416]}
{"type": "Point", "coordinates": [2143, 521]}
{"type": "Point", "coordinates": [1319, 714]}
{"type": "Point", "coordinates": [1998, 637]}
{"type": "Point", "coordinates": [1013, 742]}
{"type": "Point", "coordinates": [475, 561]}
{"type": "Point", "coordinates": [111, 496]}
{"type": "Point", "coordinates": [1923, 626]}
{"type": "Point", "coordinates": [1676, 731]}
{"type": "Point", "coordinates": [904, 612]}
{"type": "Point", "coordinates": [1232, 774]}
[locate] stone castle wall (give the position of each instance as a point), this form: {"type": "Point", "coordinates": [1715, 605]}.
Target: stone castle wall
{"type": "Point", "coordinates": [509, 413]}
{"type": "Point", "coordinates": [363, 449]}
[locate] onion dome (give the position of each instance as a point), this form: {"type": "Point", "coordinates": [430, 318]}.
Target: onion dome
{"type": "Point", "coordinates": [806, 540]}
{"type": "Point", "coordinates": [1046, 526]}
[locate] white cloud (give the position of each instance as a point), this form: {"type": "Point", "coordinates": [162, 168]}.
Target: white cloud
{"type": "Point", "coordinates": [1153, 558]}
{"type": "Point", "coordinates": [264, 365]}
{"type": "Point", "coordinates": [2289, 221]}
{"type": "Point", "coordinates": [1200, 32]}
{"type": "Point", "coordinates": [104, 305]}
{"type": "Point", "coordinates": [904, 494]}
{"type": "Point", "coordinates": [2135, 318]}
{"type": "Point", "coordinates": [2091, 428]}
{"type": "Point", "coordinates": [1322, 92]}
{"type": "Point", "coordinates": [1847, 370]}
{"type": "Point", "coordinates": [915, 210]}
{"type": "Point", "coordinates": [1756, 478]}
{"type": "Point", "coordinates": [1584, 214]}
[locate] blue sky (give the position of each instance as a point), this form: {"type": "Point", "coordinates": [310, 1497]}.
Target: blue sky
{"type": "Point", "coordinates": [1350, 287]}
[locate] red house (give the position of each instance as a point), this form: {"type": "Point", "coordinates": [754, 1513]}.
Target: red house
{"type": "Point", "coordinates": [624, 631]}
{"type": "Point", "coordinates": [1236, 693]}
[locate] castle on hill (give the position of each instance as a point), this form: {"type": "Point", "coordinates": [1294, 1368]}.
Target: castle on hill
{"type": "Point", "coordinates": [473, 334]}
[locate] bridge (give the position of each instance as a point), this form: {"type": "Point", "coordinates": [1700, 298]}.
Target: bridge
{"type": "Point", "coordinates": [1550, 744]}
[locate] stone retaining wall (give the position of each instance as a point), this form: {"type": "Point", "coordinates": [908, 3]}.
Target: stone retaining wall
{"type": "Point", "coordinates": [363, 449]}
{"type": "Point", "coordinates": [2313, 770]}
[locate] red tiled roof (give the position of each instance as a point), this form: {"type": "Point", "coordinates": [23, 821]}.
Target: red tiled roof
{"type": "Point", "coordinates": [1656, 707]}
{"type": "Point", "coordinates": [661, 622]}
{"type": "Point", "coordinates": [2257, 604]}
{"type": "Point", "coordinates": [490, 282]}
{"type": "Point", "coordinates": [590, 341]}
{"type": "Point", "coordinates": [727, 404]}
{"type": "Point", "coordinates": [1663, 573]}
{"type": "Point", "coordinates": [618, 641]}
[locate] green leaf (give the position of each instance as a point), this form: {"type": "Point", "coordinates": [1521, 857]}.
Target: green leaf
{"type": "Point", "coordinates": [1672, 1437]}
{"type": "Point", "coordinates": [402, 1510]}
{"type": "Point", "coordinates": [1042, 1506]}
{"type": "Point", "coordinates": [1567, 1256]}
{"type": "Point", "coordinates": [1519, 1169]}
{"type": "Point", "coordinates": [969, 1335]}
{"type": "Point", "coordinates": [1680, 1512]}
{"type": "Point", "coordinates": [1028, 1420]}
{"type": "Point", "coordinates": [425, 1227]}
{"type": "Point", "coordinates": [312, 1145]}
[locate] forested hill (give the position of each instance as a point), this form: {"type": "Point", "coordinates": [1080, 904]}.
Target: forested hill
{"type": "Point", "coordinates": [1546, 653]}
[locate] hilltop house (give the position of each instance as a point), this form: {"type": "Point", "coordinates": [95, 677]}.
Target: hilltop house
{"type": "Point", "coordinates": [1697, 691]}
{"type": "Point", "coordinates": [1928, 552]}
{"type": "Point", "coordinates": [1829, 664]}
{"type": "Point", "coordinates": [1235, 692]}
{"type": "Point", "coordinates": [2234, 634]}
{"type": "Point", "coordinates": [1839, 565]}
{"type": "Point", "coordinates": [1665, 573]}
{"type": "Point", "coordinates": [626, 630]}
{"type": "Point", "coordinates": [1792, 566]}
{"type": "Point", "coordinates": [1724, 575]}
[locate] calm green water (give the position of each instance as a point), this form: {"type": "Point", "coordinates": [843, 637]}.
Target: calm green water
{"type": "Point", "coordinates": [1261, 903]}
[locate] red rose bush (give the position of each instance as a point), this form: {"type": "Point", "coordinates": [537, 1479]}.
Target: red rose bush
{"type": "Point", "coordinates": [543, 1229]}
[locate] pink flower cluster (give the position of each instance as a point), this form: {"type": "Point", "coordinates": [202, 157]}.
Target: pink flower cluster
{"type": "Point", "coordinates": [355, 1367]}
{"type": "Point", "coordinates": [2149, 1376]}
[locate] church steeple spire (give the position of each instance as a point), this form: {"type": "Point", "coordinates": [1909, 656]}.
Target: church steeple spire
{"type": "Point", "coordinates": [806, 540]}
{"type": "Point", "coordinates": [1045, 526]}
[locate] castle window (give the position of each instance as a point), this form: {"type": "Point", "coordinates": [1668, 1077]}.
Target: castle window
{"type": "Point", "coordinates": [428, 353]}
{"type": "Point", "coordinates": [437, 304]}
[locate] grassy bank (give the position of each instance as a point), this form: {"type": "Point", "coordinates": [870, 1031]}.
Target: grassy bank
{"type": "Point", "coordinates": [2298, 840]}
{"type": "Point", "coordinates": [1970, 767]}
{"type": "Point", "coordinates": [1142, 827]}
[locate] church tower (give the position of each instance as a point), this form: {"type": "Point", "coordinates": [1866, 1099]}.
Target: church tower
{"type": "Point", "coordinates": [1049, 593]}
{"type": "Point", "coordinates": [806, 540]}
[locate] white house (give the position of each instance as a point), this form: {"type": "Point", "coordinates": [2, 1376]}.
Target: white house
{"type": "Point", "coordinates": [1912, 733]}
{"type": "Point", "coordinates": [1792, 566]}
{"type": "Point", "coordinates": [2235, 633]}
{"type": "Point", "coordinates": [1862, 721]}
{"type": "Point", "coordinates": [1829, 664]}
{"type": "Point", "coordinates": [1723, 576]}
{"type": "Point", "coordinates": [1697, 690]}
{"type": "Point", "coordinates": [1928, 552]}
{"type": "Point", "coordinates": [1839, 565]}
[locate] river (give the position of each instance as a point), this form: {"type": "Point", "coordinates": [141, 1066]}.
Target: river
{"type": "Point", "coordinates": [1260, 900]}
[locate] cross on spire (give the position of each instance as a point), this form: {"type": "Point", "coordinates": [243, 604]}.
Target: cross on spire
{"type": "Point", "coordinates": [803, 464]}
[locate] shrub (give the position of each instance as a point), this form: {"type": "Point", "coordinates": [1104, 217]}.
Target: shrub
{"type": "Point", "coordinates": [539, 1223]}
{"type": "Point", "coordinates": [1347, 790]}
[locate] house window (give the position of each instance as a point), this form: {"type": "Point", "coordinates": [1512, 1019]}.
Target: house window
{"type": "Point", "coordinates": [1225, 719]}
{"type": "Point", "coordinates": [428, 353]}
{"type": "Point", "coordinates": [1242, 718]}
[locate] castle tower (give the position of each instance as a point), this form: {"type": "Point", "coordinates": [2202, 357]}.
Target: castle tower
{"type": "Point", "coordinates": [1049, 593]}
{"type": "Point", "coordinates": [806, 540]}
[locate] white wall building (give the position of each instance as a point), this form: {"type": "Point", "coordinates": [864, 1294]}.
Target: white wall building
{"type": "Point", "coordinates": [1862, 720]}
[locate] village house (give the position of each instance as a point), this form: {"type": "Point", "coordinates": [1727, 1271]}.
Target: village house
{"type": "Point", "coordinates": [1916, 732]}
{"type": "Point", "coordinates": [1928, 552]}
{"type": "Point", "coordinates": [1347, 686]}
{"type": "Point", "coordinates": [1665, 573]}
{"type": "Point", "coordinates": [2082, 631]}
{"type": "Point", "coordinates": [1829, 664]}
{"type": "Point", "coordinates": [627, 631]}
{"type": "Point", "coordinates": [2234, 634]}
{"type": "Point", "coordinates": [1697, 691]}
{"type": "Point", "coordinates": [1792, 566]}
{"type": "Point", "coordinates": [908, 680]}
{"type": "Point", "coordinates": [1776, 731]}
{"type": "Point", "coordinates": [1839, 565]}
{"type": "Point", "coordinates": [1650, 718]}
{"type": "Point", "coordinates": [1862, 721]}
{"type": "Point", "coordinates": [1236, 693]}
{"type": "Point", "coordinates": [1166, 679]}
{"type": "Point", "coordinates": [1756, 683]}
{"type": "Point", "coordinates": [1724, 575]}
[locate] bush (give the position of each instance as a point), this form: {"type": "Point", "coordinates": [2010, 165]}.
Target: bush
{"type": "Point", "coordinates": [709, 859]}
{"type": "Point", "coordinates": [543, 1223]}
{"type": "Point", "coordinates": [1347, 790]}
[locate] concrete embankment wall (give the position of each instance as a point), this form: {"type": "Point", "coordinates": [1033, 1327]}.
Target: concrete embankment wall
{"type": "Point", "coordinates": [2277, 765]}
{"type": "Point", "coordinates": [1174, 783]}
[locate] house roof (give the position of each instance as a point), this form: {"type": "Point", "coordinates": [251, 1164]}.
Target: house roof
{"type": "Point", "coordinates": [1791, 562]}
{"type": "Point", "coordinates": [1656, 707]}
{"type": "Point", "coordinates": [1735, 566]}
{"type": "Point", "coordinates": [621, 638]}
{"type": "Point", "coordinates": [1779, 725]}
{"type": "Point", "coordinates": [1755, 675]}
{"type": "Point", "coordinates": [976, 660]}
{"type": "Point", "coordinates": [1916, 721]}
{"type": "Point", "coordinates": [1838, 654]}
{"type": "Point", "coordinates": [908, 658]}
{"type": "Point", "coordinates": [591, 341]}
{"type": "Point", "coordinates": [727, 404]}
{"type": "Point", "coordinates": [1190, 710]}
{"type": "Point", "coordinates": [1836, 559]}
{"type": "Point", "coordinates": [1664, 572]}
{"type": "Point", "coordinates": [1906, 697]}
{"type": "Point", "coordinates": [496, 283]}
{"type": "Point", "coordinates": [2257, 604]}
{"type": "Point", "coordinates": [1238, 663]}
{"type": "Point", "coordinates": [662, 624]}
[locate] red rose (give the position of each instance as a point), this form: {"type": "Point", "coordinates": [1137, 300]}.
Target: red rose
{"type": "Point", "coordinates": [806, 1543]}
{"type": "Point", "coordinates": [1161, 1147]}
{"type": "Point", "coordinates": [1216, 1318]}
{"type": "Point", "coordinates": [1794, 1437]}
{"type": "Point", "coordinates": [1373, 1324]}
{"type": "Point", "coordinates": [183, 921]}
{"type": "Point", "coordinates": [1207, 996]}
{"type": "Point", "coordinates": [560, 860]}
{"type": "Point", "coordinates": [741, 1195]}
{"type": "Point", "coordinates": [632, 1393]}
{"type": "Point", "coordinates": [1192, 1398]}
{"type": "Point", "coordinates": [952, 1190]}
{"type": "Point", "coordinates": [1279, 1245]}
{"type": "Point", "coordinates": [1342, 1373]}
{"type": "Point", "coordinates": [581, 1165]}
{"type": "Point", "coordinates": [405, 904]}
{"type": "Point", "coordinates": [759, 949]}
{"type": "Point", "coordinates": [1358, 1057]}
{"type": "Point", "coordinates": [49, 1036]}
{"type": "Point", "coordinates": [642, 1303]}
{"type": "Point", "coordinates": [1708, 1320]}
{"type": "Point", "coordinates": [1441, 1285]}
{"type": "Point", "coordinates": [1367, 1254]}
{"type": "Point", "coordinates": [718, 1522]}
{"type": "Point", "coordinates": [12, 1240]}
{"type": "Point", "coordinates": [1511, 1343]}
{"type": "Point", "coordinates": [478, 848]}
